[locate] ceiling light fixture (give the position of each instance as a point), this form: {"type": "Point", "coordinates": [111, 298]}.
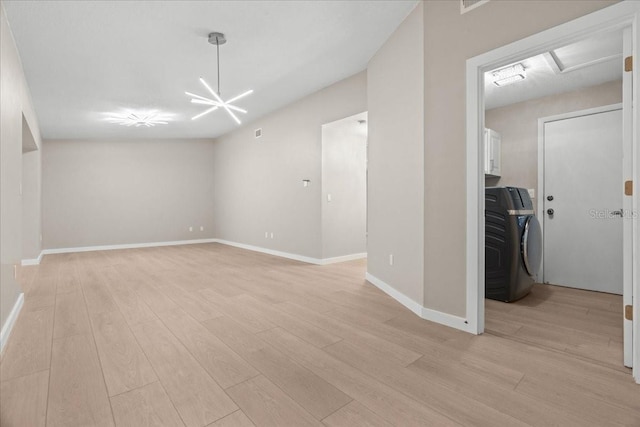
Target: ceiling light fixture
{"type": "Point", "coordinates": [217, 102]}
{"type": "Point", "coordinates": [138, 119]}
{"type": "Point", "coordinates": [508, 75]}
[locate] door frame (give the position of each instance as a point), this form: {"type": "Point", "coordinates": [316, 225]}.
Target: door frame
{"type": "Point", "coordinates": [626, 201]}
{"type": "Point", "coordinates": [617, 16]}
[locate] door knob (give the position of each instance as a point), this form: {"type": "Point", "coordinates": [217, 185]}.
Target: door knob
{"type": "Point", "coordinates": [550, 211]}
{"type": "Point", "coordinates": [549, 198]}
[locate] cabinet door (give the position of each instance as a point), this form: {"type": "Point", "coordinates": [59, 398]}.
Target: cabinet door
{"type": "Point", "coordinates": [492, 153]}
{"type": "Point", "coordinates": [495, 153]}
{"type": "Point", "coordinates": [486, 151]}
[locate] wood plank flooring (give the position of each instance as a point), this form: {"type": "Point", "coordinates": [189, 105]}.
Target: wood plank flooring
{"type": "Point", "coordinates": [574, 321]}
{"type": "Point", "coordinates": [210, 335]}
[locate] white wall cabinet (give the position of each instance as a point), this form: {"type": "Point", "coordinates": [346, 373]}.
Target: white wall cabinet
{"type": "Point", "coordinates": [492, 142]}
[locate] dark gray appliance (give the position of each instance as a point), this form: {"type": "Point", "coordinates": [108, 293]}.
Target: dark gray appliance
{"type": "Point", "coordinates": [513, 243]}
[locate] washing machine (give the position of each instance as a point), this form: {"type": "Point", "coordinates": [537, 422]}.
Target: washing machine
{"type": "Point", "coordinates": [513, 243]}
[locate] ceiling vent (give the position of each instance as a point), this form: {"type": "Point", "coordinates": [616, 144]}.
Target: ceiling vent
{"type": "Point", "coordinates": [467, 5]}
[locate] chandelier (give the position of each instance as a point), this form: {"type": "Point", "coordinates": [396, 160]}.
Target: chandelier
{"type": "Point", "coordinates": [217, 102]}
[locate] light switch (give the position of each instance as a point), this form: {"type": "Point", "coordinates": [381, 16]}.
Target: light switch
{"type": "Point", "coordinates": [328, 197]}
{"type": "Point", "coordinates": [532, 193]}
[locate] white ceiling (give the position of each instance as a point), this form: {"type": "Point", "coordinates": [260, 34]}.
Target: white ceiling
{"type": "Point", "coordinates": [85, 59]}
{"type": "Point", "coordinates": [579, 65]}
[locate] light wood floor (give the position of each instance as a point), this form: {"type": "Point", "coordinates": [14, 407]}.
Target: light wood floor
{"type": "Point", "coordinates": [585, 324]}
{"type": "Point", "coordinates": [209, 335]}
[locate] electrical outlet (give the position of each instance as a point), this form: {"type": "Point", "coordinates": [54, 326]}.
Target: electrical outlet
{"type": "Point", "coordinates": [328, 197]}
{"type": "Point", "coordinates": [390, 259]}
{"type": "Point", "coordinates": [202, 228]}
{"type": "Point", "coordinates": [272, 234]}
{"type": "Point", "coordinates": [190, 228]}
{"type": "Point", "coordinates": [266, 234]}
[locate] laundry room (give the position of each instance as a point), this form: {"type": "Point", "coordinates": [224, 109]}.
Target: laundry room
{"type": "Point", "coordinates": [554, 179]}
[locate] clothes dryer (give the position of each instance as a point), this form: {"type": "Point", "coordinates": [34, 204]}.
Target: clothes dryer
{"type": "Point", "coordinates": [513, 243]}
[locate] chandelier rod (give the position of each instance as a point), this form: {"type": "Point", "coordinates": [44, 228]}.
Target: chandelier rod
{"type": "Point", "coordinates": [217, 39]}
{"type": "Point", "coordinates": [218, 62]}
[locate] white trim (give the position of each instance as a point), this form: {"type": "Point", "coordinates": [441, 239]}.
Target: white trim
{"type": "Point", "coordinates": [423, 312]}
{"type": "Point", "coordinates": [446, 319]}
{"type": "Point", "coordinates": [395, 294]}
{"type": "Point", "coordinates": [343, 258]}
{"type": "Point", "coordinates": [581, 113]}
{"type": "Point", "coordinates": [33, 261]}
{"type": "Point", "coordinates": [271, 252]}
{"type": "Point", "coordinates": [125, 246]}
{"type": "Point", "coordinates": [541, 122]}
{"type": "Point", "coordinates": [635, 176]}
{"type": "Point", "coordinates": [627, 202]}
{"type": "Point", "coordinates": [10, 322]}
{"type": "Point", "coordinates": [296, 257]}
{"type": "Point", "coordinates": [475, 201]}
{"type": "Point", "coordinates": [617, 16]}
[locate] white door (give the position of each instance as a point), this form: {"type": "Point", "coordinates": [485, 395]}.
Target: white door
{"type": "Point", "coordinates": [583, 202]}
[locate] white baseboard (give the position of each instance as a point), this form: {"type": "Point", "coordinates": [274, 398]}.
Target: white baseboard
{"type": "Point", "coordinates": [296, 257]}
{"type": "Point", "coordinates": [446, 319]}
{"type": "Point", "coordinates": [125, 246]}
{"type": "Point", "coordinates": [343, 258]}
{"type": "Point", "coordinates": [395, 294]}
{"type": "Point", "coordinates": [423, 312]}
{"type": "Point", "coordinates": [34, 261]}
{"type": "Point", "coordinates": [10, 322]}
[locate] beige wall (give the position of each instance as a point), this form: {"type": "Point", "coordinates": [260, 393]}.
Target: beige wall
{"type": "Point", "coordinates": [449, 40]}
{"type": "Point", "coordinates": [15, 102]}
{"type": "Point", "coordinates": [126, 192]}
{"type": "Point", "coordinates": [396, 159]}
{"type": "Point", "coordinates": [344, 178]}
{"type": "Point", "coordinates": [518, 126]}
{"type": "Point", "coordinates": [258, 182]}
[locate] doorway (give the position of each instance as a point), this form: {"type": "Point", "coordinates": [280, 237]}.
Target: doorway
{"type": "Point", "coordinates": [31, 197]}
{"type": "Point", "coordinates": [344, 188]}
{"type": "Point", "coordinates": [579, 170]}
{"type": "Point", "coordinates": [616, 17]}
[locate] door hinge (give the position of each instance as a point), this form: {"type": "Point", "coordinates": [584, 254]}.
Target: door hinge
{"type": "Point", "coordinates": [628, 312]}
{"type": "Point", "coordinates": [628, 63]}
{"type": "Point", "coordinates": [628, 188]}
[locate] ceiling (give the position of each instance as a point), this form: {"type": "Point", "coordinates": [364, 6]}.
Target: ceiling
{"type": "Point", "coordinates": [86, 59]}
{"type": "Point", "coordinates": [589, 62]}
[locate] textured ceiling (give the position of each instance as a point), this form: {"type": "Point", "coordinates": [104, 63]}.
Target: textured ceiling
{"type": "Point", "coordinates": [85, 59]}
{"type": "Point", "coordinates": [586, 63]}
